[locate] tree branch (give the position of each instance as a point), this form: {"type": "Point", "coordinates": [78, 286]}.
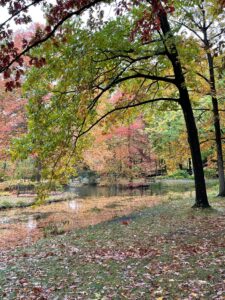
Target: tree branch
{"type": "Point", "coordinates": [125, 107]}
{"type": "Point", "coordinates": [51, 33]}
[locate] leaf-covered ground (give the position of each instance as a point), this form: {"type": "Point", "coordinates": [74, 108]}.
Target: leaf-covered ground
{"type": "Point", "coordinates": [168, 251]}
{"type": "Point", "coordinates": [23, 226]}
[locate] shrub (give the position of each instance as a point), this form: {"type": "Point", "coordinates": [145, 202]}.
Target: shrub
{"type": "Point", "coordinates": [179, 174]}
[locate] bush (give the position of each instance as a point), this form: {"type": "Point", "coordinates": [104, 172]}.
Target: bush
{"type": "Point", "coordinates": [55, 229]}
{"type": "Point", "coordinates": [5, 204]}
{"type": "Point", "coordinates": [21, 204]}
{"type": "Point", "coordinates": [180, 174]}
{"type": "Point", "coordinates": [210, 173]}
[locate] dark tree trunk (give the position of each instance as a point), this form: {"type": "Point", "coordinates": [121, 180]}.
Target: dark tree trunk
{"type": "Point", "coordinates": [172, 53]}
{"type": "Point", "coordinates": [216, 117]}
{"type": "Point", "coordinates": [189, 167]}
{"type": "Point", "coordinates": [216, 122]}
{"type": "Point", "coordinates": [200, 186]}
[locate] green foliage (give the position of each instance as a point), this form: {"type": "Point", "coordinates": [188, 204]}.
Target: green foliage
{"type": "Point", "coordinates": [26, 169]}
{"type": "Point", "coordinates": [6, 204]}
{"type": "Point", "coordinates": [21, 204]}
{"type": "Point", "coordinates": [210, 173]}
{"type": "Point", "coordinates": [75, 80]}
{"type": "Point", "coordinates": [84, 68]}
{"type": "Point", "coordinates": [166, 130]}
{"type": "Point", "coordinates": [180, 174]}
{"type": "Point", "coordinates": [54, 229]}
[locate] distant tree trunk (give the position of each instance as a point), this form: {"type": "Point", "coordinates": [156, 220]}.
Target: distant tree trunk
{"type": "Point", "coordinates": [216, 117]}
{"type": "Point", "coordinates": [38, 176]}
{"type": "Point", "coordinates": [172, 53]}
{"type": "Point", "coordinates": [189, 166]}
{"type": "Point", "coordinates": [156, 168]}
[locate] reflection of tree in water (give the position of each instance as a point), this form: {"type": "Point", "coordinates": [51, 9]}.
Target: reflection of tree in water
{"type": "Point", "coordinates": [159, 188]}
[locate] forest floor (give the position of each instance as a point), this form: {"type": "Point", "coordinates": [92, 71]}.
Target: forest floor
{"type": "Point", "coordinates": [167, 251]}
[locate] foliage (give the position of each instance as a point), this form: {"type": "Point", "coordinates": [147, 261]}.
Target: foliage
{"type": "Point", "coordinates": [167, 134]}
{"type": "Point", "coordinates": [146, 57]}
{"type": "Point", "coordinates": [82, 73]}
{"type": "Point", "coordinates": [122, 151]}
{"type": "Point", "coordinates": [179, 174]}
{"type": "Point", "coordinates": [12, 118]}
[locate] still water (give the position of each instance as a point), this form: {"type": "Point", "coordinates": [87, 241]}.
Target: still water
{"type": "Point", "coordinates": [86, 205]}
{"type": "Point", "coordinates": [154, 188]}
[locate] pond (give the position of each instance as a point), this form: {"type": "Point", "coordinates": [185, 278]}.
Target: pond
{"type": "Point", "coordinates": [154, 188]}
{"type": "Point", "coordinates": [87, 205]}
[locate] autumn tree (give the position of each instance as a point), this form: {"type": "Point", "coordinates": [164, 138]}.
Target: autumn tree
{"type": "Point", "coordinates": [103, 64]}
{"type": "Point", "coordinates": [206, 21]}
{"type": "Point", "coordinates": [12, 57]}
{"type": "Point", "coordinates": [165, 128]}
{"type": "Point", "coordinates": [12, 118]}
{"type": "Point", "coordinates": [155, 60]}
{"type": "Point", "coordinates": [123, 151]}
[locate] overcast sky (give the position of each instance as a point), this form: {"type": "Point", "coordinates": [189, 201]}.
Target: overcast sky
{"type": "Point", "coordinates": [35, 12]}
{"type": "Point", "coordinates": [38, 16]}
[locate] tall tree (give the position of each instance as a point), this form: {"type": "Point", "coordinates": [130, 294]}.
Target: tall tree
{"type": "Point", "coordinates": [101, 64]}
{"type": "Point", "coordinates": [207, 24]}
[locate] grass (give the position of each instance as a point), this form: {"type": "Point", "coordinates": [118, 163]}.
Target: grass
{"type": "Point", "coordinates": [168, 251]}
{"type": "Point", "coordinates": [113, 205]}
{"type": "Point", "coordinates": [95, 209]}
{"type": "Point", "coordinates": [13, 201]}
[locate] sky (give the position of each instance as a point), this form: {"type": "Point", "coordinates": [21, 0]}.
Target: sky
{"type": "Point", "coordinates": [35, 12]}
{"type": "Point", "coordinates": [38, 15]}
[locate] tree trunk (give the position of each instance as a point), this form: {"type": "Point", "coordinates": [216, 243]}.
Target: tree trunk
{"type": "Point", "coordinates": [216, 118]}
{"type": "Point", "coordinates": [189, 166]}
{"type": "Point", "coordinates": [200, 186]}
{"type": "Point", "coordinates": [38, 174]}
{"type": "Point", "coordinates": [201, 199]}
{"type": "Point", "coordinates": [216, 122]}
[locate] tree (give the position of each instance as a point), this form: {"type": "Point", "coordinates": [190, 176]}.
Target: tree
{"type": "Point", "coordinates": [124, 151]}
{"type": "Point", "coordinates": [12, 57]}
{"type": "Point", "coordinates": [165, 128]}
{"type": "Point", "coordinates": [12, 118]}
{"type": "Point", "coordinates": [154, 18]}
{"type": "Point", "coordinates": [103, 65]}
{"type": "Point", "coordinates": [203, 20]}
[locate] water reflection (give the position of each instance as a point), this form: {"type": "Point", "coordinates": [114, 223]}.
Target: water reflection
{"type": "Point", "coordinates": [89, 191]}
{"type": "Point", "coordinates": [4, 220]}
{"type": "Point", "coordinates": [88, 205]}
{"type": "Point", "coordinates": [74, 205]}
{"type": "Point", "coordinates": [31, 223]}
{"type": "Point", "coordinates": [154, 188]}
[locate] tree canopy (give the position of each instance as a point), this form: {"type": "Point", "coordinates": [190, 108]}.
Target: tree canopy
{"type": "Point", "coordinates": [141, 52]}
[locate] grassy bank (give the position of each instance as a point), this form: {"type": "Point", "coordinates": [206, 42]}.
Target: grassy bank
{"type": "Point", "coordinates": [168, 251]}
{"type": "Point", "coordinates": [13, 201]}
